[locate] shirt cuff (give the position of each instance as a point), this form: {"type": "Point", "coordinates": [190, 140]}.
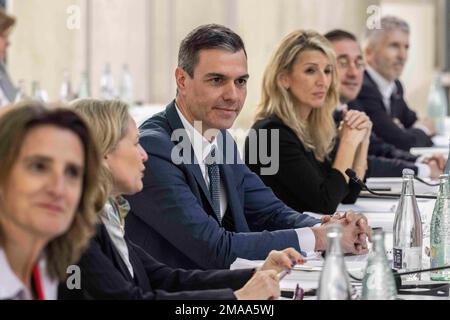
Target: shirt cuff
{"type": "Point", "coordinates": [306, 240]}
{"type": "Point", "coordinates": [421, 159]}
{"type": "Point", "coordinates": [423, 170]}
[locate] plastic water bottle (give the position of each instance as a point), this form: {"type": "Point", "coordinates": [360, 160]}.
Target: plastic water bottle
{"type": "Point", "coordinates": [20, 95]}
{"type": "Point", "coordinates": [447, 165]}
{"type": "Point", "coordinates": [126, 86]}
{"type": "Point", "coordinates": [440, 231]}
{"type": "Point", "coordinates": [378, 281]}
{"type": "Point", "coordinates": [65, 92]}
{"type": "Point", "coordinates": [408, 235]}
{"type": "Point", "coordinates": [334, 283]}
{"type": "Point", "coordinates": [37, 93]}
{"type": "Point", "coordinates": [107, 90]}
{"type": "Point", "coordinates": [437, 104]}
{"type": "Point", "coordinates": [84, 88]}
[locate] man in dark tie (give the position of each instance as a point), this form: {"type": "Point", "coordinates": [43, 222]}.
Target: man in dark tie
{"type": "Point", "coordinates": [7, 89]}
{"type": "Point", "coordinates": [381, 96]}
{"type": "Point", "coordinates": [384, 160]}
{"type": "Point", "coordinates": [201, 207]}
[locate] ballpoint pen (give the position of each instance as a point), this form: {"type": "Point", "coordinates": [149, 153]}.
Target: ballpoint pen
{"type": "Point", "coordinates": [286, 271]}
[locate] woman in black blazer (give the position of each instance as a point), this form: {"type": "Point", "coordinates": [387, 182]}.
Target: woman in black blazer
{"type": "Point", "coordinates": [299, 94]}
{"type": "Point", "coordinates": [115, 268]}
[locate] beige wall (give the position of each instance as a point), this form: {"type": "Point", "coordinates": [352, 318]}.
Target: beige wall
{"type": "Point", "coordinates": [146, 34]}
{"type": "Point", "coordinates": [41, 44]}
{"type": "Point", "coordinates": [269, 21]}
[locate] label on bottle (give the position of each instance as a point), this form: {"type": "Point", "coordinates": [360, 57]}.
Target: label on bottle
{"type": "Point", "coordinates": [398, 258]}
{"type": "Point", "coordinates": [408, 258]}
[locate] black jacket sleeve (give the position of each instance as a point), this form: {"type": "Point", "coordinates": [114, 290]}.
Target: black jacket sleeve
{"type": "Point", "coordinates": [166, 278]}
{"type": "Point", "coordinates": [370, 101]}
{"type": "Point", "coordinates": [380, 148]}
{"type": "Point", "coordinates": [384, 167]}
{"type": "Point", "coordinates": [100, 279]}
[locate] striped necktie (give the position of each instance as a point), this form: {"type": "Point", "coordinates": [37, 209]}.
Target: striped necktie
{"type": "Point", "coordinates": [214, 182]}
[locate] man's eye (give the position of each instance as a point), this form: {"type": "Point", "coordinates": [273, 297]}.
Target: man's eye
{"type": "Point", "coordinates": [344, 63]}
{"type": "Point", "coordinates": [216, 80]}
{"type": "Point", "coordinates": [242, 82]}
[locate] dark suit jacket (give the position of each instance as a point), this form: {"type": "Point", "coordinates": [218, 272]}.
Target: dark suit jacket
{"type": "Point", "coordinates": [384, 160]}
{"type": "Point", "coordinates": [302, 182]}
{"type": "Point", "coordinates": [104, 275]}
{"type": "Point", "coordinates": [6, 85]}
{"type": "Point", "coordinates": [371, 102]}
{"type": "Point", "coordinates": [173, 219]}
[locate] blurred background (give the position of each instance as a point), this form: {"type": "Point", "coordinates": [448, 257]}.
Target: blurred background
{"type": "Point", "coordinates": [129, 47]}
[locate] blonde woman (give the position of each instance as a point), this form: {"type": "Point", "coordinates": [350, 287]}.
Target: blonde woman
{"type": "Point", "coordinates": [299, 95]}
{"type": "Point", "coordinates": [48, 165]}
{"type": "Point", "coordinates": [115, 268]}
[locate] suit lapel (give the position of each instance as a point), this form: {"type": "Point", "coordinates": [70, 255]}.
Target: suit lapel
{"type": "Point", "coordinates": [138, 270]}
{"type": "Point", "coordinates": [175, 123]}
{"type": "Point", "coordinates": [115, 256]}
{"type": "Point", "coordinates": [6, 85]}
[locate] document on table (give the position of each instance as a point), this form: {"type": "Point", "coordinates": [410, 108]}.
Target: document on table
{"type": "Point", "coordinates": [372, 207]}
{"type": "Point", "coordinates": [307, 275]}
{"type": "Point", "coordinates": [364, 206]}
{"type": "Point", "coordinates": [428, 151]}
{"type": "Point", "coordinates": [395, 184]}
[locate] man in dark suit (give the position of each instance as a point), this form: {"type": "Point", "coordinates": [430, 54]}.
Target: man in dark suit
{"type": "Point", "coordinates": [384, 160]}
{"type": "Point", "coordinates": [201, 207]}
{"type": "Point", "coordinates": [381, 96]}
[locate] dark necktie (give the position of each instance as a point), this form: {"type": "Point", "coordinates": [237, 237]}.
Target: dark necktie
{"type": "Point", "coordinates": [214, 182]}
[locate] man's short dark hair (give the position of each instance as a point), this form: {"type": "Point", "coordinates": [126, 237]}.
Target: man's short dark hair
{"type": "Point", "coordinates": [339, 35]}
{"type": "Point", "coordinates": [209, 36]}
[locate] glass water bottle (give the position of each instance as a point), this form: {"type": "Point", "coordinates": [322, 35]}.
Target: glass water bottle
{"type": "Point", "coordinates": [334, 283]}
{"type": "Point", "coordinates": [407, 229]}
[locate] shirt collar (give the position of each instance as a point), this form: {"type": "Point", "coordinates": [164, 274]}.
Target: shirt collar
{"type": "Point", "coordinates": [202, 147]}
{"type": "Point", "coordinates": [386, 87]}
{"type": "Point", "coordinates": [12, 288]}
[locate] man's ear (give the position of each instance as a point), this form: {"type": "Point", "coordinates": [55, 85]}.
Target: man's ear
{"type": "Point", "coordinates": [368, 52]}
{"type": "Point", "coordinates": [180, 77]}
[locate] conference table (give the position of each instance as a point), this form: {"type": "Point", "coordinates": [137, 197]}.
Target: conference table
{"type": "Point", "coordinates": [380, 213]}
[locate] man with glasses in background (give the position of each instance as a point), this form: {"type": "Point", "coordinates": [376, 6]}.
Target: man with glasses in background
{"type": "Point", "coordinates": [385, 160]}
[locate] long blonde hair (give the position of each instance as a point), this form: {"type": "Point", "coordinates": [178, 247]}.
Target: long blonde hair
{"type": "Point", "coordinates": [318, 132]}
{"type": "Point", "coordinates": [108, 120]}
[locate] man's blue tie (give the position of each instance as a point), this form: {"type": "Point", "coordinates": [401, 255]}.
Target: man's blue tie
{"type": "Point", "coordinates": [214, 181]}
